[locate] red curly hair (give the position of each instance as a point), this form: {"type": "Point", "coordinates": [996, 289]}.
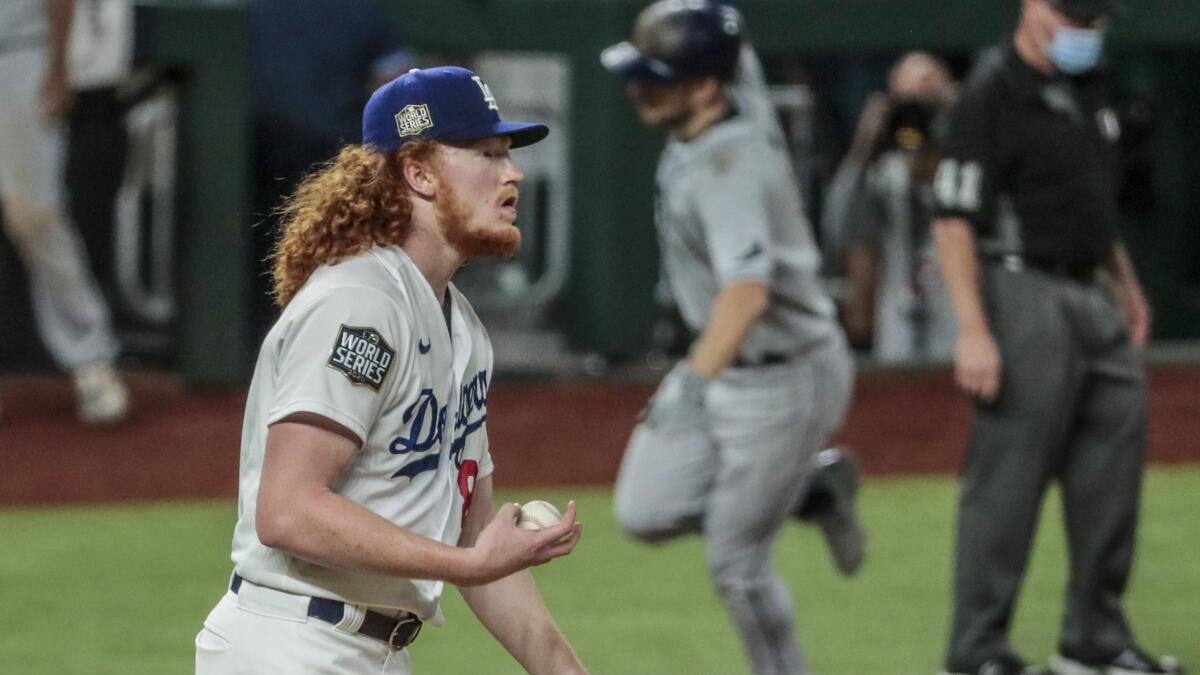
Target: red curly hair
{"type": "Point", "coordinates": [355, 201]}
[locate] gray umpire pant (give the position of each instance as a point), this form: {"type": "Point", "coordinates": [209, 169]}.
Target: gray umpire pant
{"type": "Point", "coordinates": [1071, 408]}
{"type": "Point", "coordinates": [738, 482]}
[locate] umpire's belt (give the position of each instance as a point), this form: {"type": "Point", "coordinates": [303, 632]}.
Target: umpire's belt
{"type": "Point", "coordinates": [398, 633]}
{"type": "Point", "coordinates": [1082, 272]}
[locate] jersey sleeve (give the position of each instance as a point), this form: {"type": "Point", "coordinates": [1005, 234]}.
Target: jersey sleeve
{"type": "Point", "coordinates": [340, 356]}
{"type": "Point", "coordinates": [965, 185]}
{"type": "Point", "coordinates": [730, 200]}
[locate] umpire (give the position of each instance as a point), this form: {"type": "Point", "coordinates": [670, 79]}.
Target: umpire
{"type": "Point", "coordinates": [1051, 322]}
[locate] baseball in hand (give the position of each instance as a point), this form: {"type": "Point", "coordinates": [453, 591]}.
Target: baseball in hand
{"type": "Point", "coordinates": [537, 515]}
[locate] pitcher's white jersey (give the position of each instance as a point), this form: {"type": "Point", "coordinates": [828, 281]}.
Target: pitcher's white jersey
{"type": "Point", "coordinates": [365, 344]}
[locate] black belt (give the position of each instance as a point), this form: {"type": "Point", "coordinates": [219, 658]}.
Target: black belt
{"type": "Point", "coordinates": [768, 359]}
{"type": "Point", "coordinates": [1073, 270]}
{"type": "Point", "coordinates": [1082, 272]}
{"type": "Point", "coordinates": [398, 633]}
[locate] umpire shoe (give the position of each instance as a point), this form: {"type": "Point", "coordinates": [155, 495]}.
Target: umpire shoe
{"type": "Point", "coordinates": [1132, 661]}
{"type": "Point", "coordinates": [1003, 665]}
{"type": "Point", "coordinates": [102, 397]}
{"type": "Point", "coordinates": [840, 523]}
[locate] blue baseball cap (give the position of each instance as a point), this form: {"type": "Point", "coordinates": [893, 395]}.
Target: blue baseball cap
{"type": "Point", "coordinates": [447, 103]}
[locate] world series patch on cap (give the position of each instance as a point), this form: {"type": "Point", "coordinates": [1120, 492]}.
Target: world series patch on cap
{"type": "Point", "coordinates": [446, 103]}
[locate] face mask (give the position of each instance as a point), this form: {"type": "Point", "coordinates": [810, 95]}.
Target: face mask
{"type": "Point", "coordinates": [1076, 50]}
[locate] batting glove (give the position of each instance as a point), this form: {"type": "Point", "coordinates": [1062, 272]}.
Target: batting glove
{"type": "Point", "coordinates": [679, 403]}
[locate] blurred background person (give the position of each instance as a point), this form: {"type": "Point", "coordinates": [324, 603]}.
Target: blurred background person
{"type": "Point", "coordinates": [314, 64]}
{"type": "Point", "coordinates": [879, 210]}
{"type": "Point", "coordinates": [100, 56]}
{"type": "Point", "coordinates": [71, 314]}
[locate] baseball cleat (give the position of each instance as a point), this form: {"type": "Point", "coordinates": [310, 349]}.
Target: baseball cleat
{"type": "Point", "coordinates": [840, 523]}
{"type": "Point", "coordinates": [1132, 661]}
{"type": "Point", "coordinates": [102, 397]}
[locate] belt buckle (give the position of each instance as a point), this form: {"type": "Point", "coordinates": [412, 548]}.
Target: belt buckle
{"type": "Point", "coordinates": [404, 633]}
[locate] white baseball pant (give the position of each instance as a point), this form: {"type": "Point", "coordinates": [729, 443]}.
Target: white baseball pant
{"type": "Point", "coordinates": [262, 631]}
{"type": "Point", "coordinates": [71, 314]}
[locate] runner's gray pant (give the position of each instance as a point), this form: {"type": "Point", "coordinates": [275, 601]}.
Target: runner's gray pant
{"type": "Point", "coordinates": [738, 482]}
{"type": "Point", "coordinates": [71, 314]}
{"type": "Point", "coordinates": [1072, 408]}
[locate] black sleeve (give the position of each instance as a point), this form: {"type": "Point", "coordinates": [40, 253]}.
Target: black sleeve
{"type": "Point", "coordinates": [967, 177]}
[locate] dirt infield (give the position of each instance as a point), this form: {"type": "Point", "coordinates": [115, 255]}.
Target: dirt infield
{"type": "Point", "coordinates": [182, 444]}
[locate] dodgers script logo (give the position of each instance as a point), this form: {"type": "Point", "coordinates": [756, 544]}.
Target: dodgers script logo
{"type": "Point", "coordinates": [362, 355]}
{"type": "Point", "coordinates": [425, 422]}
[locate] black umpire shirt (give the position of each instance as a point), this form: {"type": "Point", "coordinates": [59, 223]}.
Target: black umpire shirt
{"type": "Point", "coordinates": [1036, 152]}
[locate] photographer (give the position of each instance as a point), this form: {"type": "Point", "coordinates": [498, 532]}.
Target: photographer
{"type": "Point", "coordinates": [877, 214]}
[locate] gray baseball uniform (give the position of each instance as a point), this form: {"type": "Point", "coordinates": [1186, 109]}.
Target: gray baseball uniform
{"type": "Point", "coordinates": [72, 316]}
{"type": "Point", "coordinates": [729, 210]}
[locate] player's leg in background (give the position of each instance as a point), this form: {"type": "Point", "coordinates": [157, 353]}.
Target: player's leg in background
{"type": "Point", "coordinates": [1101, 476]}
{"type": "Point", "coordinates": [71, 314]}
{"type": "Point", "coordinates": [769, 424]}
{"type": "Point", "coordinates": [1014, 444]}
{"type": "Point", "coordinates": [664, 481]}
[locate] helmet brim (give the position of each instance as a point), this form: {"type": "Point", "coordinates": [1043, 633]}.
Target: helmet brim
{"type": "Point", "coordinates": [627, 62]}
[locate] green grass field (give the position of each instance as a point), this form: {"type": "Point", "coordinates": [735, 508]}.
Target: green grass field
{"type": "Point", "coordinates": [123, 590]}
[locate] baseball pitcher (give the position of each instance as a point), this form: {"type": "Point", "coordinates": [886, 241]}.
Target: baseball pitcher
{"type": "Point", "coordinates": [365, 479]}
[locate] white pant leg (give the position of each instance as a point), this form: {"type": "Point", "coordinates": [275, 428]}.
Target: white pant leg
{"type": "Point", "coordinates": [266, 632]}
{"type": "Point", "coordinates": [71, 314]}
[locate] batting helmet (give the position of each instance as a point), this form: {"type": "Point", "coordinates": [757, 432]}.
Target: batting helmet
{"type": "Point", "coordinates": [676, 40]}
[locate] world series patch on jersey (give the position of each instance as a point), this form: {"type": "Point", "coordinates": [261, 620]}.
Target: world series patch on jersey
{"type": "Point", "coordinates": [362, 355]}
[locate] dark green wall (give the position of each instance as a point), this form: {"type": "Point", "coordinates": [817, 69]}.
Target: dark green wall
{"type": "Point", "coordinates": [209, 46]}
